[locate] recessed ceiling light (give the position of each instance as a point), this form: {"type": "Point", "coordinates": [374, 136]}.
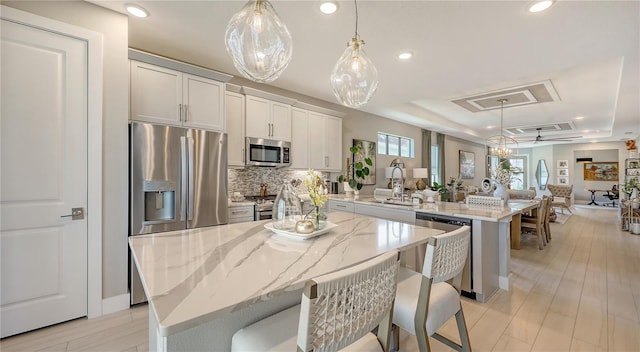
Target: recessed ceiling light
{"type": "Point", "coordinates": [328, 7]}
{"type": "Point", "coordinates": [579, 117]}
{"type": "Point", "coordinates": [136, 10]}
{"type": "Point", "coordinates": [406, 55]}
{"type": "Point", "coordinates": [539, 6]}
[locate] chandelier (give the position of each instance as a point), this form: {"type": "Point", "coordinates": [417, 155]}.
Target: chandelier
{"type": "Point", "coordinates": [354, 78]}
{"type": "Point", "coordinates": [501, 145]}
{"type": "Point", "coordinates": [258, 42]}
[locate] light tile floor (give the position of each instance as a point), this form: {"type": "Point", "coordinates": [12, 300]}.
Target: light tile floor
{"type": "Point", "coordinates": [581, 293]}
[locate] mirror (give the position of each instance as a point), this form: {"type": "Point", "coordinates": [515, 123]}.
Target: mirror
{"type": "Point", "coordinates": [542, 174]}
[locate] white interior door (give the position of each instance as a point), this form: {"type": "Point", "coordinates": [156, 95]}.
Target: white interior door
{"type": "Point", "coordinates": [43, 176]}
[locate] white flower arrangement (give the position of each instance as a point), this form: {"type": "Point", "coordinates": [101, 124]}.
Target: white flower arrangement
{"type": "Point", "coordinates": [316, 188]}
{"type": "Point", "coordinates": [502, 176]}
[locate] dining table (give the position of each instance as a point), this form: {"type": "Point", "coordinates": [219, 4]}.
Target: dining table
{"type": "Point", "coordinates": [204, 284]}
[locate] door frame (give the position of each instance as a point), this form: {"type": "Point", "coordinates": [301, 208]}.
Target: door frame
{"type": "Point", "coordinates": [94, 142]}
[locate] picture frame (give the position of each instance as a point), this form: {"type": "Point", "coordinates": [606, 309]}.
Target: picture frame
{"type": "Point", "coordinates": [563, 164]}
{"type": "Point", "coordinates": [467, 167]}
{"type": "Point", "coordinates": [601, 171]}
{"type": "Point", "coordinates": [633, 172]}
{"type": "Point", "coordinates": [369, 150]}
{"type": "Point", "coordinates": [563, 172]}
{"type": "Point", "coordinates": [562, 180]}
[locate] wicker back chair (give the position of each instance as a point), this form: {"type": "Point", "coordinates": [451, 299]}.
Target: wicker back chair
{"type": "Point", "coordinates": [338, 310]}
{"type": "Point", "coordinates": [425, 301]}
{"type": "Point", "coordinates": [561, 196]}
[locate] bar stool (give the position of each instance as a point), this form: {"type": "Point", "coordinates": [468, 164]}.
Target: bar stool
{"type": "Point", "coordinates": [339, 310]}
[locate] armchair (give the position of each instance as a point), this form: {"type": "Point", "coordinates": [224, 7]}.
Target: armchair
{"type": "Point", "coordinates": [561, 196]}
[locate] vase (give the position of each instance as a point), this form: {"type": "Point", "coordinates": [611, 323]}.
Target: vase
{"type": "Point", "coordinates": [318, 217]}
{"type": "Point", "coordinates": [347, 189]}
{"type": "Point", "coordinates": [502, 193]}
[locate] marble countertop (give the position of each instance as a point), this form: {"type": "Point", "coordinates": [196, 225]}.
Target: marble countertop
{"type": "Point", "coordinates": [195, 276]}
{"type": "Point", "coordinates": [449, 208]}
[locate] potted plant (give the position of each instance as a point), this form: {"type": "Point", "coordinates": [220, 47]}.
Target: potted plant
{"type": "Point", "coordinates": [359, 169]}
{"type": "Point", "coordinates": [442, 189]}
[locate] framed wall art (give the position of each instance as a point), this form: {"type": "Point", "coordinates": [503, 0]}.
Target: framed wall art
{"type": "Point", "coordinates": [467, 165]}
{"type": "Point", "coordinates": [563, 164]}
{"type": "Point", "coordinates": [563, 180]}
{"type": "Point", "coordinates": [563, 172]}
{"type": "Point", "coordinates": [601, 171]}
{"type": "Point", "coordinates": [368, 151]}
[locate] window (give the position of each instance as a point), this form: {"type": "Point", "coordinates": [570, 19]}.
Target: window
{"type": "Point", "coordinates": [435, 177]}
{"type": "Point", "coordinates": [395, 145]}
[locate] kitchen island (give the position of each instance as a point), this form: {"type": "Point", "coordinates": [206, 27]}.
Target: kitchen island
{"type": "Point", "coordinates": [205, 284]}
{"type": "Point", "coordinates": [489, 267]}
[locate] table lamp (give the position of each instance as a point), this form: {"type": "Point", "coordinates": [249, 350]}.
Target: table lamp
{"type": "Point", "coordinates": [419, 174]}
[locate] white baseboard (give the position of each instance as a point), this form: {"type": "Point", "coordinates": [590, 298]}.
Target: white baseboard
{"type": "Point", "coordinates": [115, 304]}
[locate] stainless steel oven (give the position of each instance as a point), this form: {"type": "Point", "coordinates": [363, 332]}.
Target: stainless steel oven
{"type": "Point", "coordinates": [264, 206]}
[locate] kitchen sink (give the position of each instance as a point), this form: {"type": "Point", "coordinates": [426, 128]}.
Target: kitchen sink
{"type": "Point", "coordinates": [407, 203]}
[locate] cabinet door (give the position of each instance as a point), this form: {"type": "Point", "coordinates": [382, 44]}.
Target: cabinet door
{"type": "Point", "coordinates": [202, 102]}
{"type": "Point", "coordinates": [317, 155]}
{"type": "Point", "coordinates": [234, 106]}
{"type": "Point", "coordinates": [280, 121]}
{"type": "Point", "coordinates": [257, 117]}
{"type": "Point", "coordinates": [299, 138]}
{"type": "Point", "coordinates": [333, 143]}
{"type": "Point", "coordinates": [156, 94]}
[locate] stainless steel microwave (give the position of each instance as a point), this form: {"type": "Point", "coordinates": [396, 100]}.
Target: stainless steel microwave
{"type": "Point", "coordinates": [267, 152]}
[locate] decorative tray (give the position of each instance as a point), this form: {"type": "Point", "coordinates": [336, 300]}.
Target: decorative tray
{"type": "Point", "coordinates": [300, 236]}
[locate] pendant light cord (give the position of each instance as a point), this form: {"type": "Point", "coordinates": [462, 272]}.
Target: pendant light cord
{"type": "Point", "coordinates": [356, 3]}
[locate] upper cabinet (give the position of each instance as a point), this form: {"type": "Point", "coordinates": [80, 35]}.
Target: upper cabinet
{"type": "Point", "coordinates": [170, 92]}
{"type": "Point", "coordinates": [267, 119]}
{"type": "Point", "coordinates": [317, 141]}
{"type": "Point", "coordinates": [234, 105]}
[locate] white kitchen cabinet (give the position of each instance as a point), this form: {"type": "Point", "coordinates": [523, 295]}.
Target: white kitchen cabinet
{"type": "Point", "coordinates": [340, 205]}
{"type": "Point", "coordinates": [166, 96]}
{"type": "Point", "coordinates": [234, 106]}
{"type": "Point", "coordinates": [316, 140]}
{"type": "Point", "coordinates": [299, 139]}
{"type": "Point", "coordinates": [241, 213]}
{"type": "Point", "coordinates": [267, 119]}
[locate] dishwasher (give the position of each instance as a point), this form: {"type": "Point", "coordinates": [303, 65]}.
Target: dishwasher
{"type": "Point", "coordinates": [447, 224]}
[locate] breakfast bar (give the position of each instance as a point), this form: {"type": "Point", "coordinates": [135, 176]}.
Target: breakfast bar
{"type": "Point", "coordinates": [205, 284]}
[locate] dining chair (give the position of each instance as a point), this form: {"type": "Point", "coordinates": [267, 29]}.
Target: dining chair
{"type": "Point", "coordinates": [427, 300]}
{"type": "Point", "coordinates": [539, 221]}
{"type": "Point", "coordinates": [338, 311]}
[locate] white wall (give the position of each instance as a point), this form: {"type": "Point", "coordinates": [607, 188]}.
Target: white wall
{"type": "Point", "coordinates": [612, 151]}
{"type": "Point", "coordinates": [114, 28]}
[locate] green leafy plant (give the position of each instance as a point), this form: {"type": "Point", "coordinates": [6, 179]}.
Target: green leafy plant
{"type": "Point", "coordinates": [360, 170]}
{"type": "Point", "coordinates": [442, 189]}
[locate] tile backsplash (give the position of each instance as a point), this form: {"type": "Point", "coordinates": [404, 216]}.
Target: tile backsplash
{"type": "Point", "coordinates": [247, 181]}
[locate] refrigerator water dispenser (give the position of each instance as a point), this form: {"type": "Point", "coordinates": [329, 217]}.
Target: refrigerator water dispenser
{"type": "Point", "coordinates": [159, 201]}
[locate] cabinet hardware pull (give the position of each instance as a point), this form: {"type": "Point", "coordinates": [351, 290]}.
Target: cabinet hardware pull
{"type": "Point", "coordinates": [180, 112]}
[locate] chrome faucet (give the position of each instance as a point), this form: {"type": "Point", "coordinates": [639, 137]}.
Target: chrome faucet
{"type": "Point", "coordinates": [401, 183]}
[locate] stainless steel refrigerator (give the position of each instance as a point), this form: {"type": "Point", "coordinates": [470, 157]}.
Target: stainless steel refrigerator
{"type": "Point", "coordinates": [178, 180]}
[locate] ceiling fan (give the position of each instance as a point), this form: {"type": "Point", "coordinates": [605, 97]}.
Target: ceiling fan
{"type": "Point", "coordinates": [540, 138]}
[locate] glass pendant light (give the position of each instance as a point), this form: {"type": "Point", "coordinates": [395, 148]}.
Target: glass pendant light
{"type": "Point", "coordinates": [354, 78]}
{"type": "Point", "coordinates": [500, 145]}
{"type": "Point", "coordinates": [259, 42]}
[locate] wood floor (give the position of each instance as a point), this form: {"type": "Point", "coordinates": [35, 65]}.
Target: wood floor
{"type": "Point", "coordinates": [581, 293]}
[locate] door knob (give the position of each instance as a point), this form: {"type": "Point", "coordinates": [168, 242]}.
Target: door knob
{"type": "Point", "coordinates": [76, 214]}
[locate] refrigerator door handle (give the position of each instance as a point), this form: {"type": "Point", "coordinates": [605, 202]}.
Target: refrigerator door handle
{"type": "Point", "coordinates": [191, 179]}
{"type": "Point", "coordinates": [183, 177]}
